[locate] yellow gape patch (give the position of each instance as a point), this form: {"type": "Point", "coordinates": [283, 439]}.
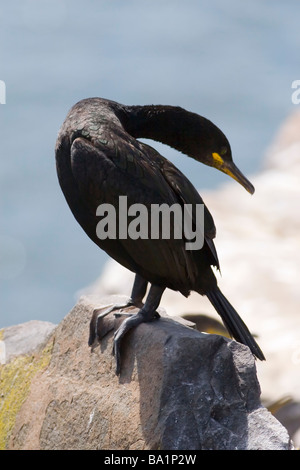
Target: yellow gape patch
{"type": "Point", "coordinates": [221, 166]}
{"type": "Point", "coordinates": [217, 158]}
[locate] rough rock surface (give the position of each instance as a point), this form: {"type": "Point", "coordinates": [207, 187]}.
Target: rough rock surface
{"type": "Point", "coordinates": [179, 390]}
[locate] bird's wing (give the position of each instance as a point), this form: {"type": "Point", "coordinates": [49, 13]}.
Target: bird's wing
{"type": "Point", "coordinates": [187, 194]}
{"type": "Point", "coordinates": [104, 172]}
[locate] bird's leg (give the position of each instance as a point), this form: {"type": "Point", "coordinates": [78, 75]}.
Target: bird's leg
{"type": "Point", "coordinates": [145, 314]}
{"type": "Point", "coordinates": [137, 294]}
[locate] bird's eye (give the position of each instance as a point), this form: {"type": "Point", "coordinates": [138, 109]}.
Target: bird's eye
{"type": "Point", "coordinates": [223, 150]}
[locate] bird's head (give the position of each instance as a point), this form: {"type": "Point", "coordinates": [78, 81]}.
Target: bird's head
{"type": "Point", "coordinates": [215, 151]}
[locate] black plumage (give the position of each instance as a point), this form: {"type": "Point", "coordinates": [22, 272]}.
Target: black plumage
{"type": "Point", "coordinates": [99, 158]}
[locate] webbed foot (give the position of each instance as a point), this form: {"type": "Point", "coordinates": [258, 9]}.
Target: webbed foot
{"type": "Point", "coordinates": [135, 300]}
{"type": "Point", "coordinates": [146, 313]}
{"type": "Point", "coordinates": [131, 322]}
{"type": "Point", "coordinates": [99, 313]}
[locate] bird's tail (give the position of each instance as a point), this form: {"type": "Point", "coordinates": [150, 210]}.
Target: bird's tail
{"type": "Point", "coordinates": [233, 322]}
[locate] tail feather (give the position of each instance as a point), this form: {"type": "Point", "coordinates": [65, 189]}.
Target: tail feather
{"type": "Point", "coordinates": [233, 322]}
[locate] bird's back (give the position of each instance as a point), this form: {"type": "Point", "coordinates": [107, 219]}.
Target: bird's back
{"type": "Point", "coordinates": [98, 161]}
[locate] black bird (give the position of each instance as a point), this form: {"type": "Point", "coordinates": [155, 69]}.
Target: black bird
{"type": "Point", "coordinates": [99, 158]}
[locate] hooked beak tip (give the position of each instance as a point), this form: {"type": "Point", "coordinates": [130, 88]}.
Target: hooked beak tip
{"type": "Point", "coordinates": [233, 171]}
{"type": "Point", "coordinates": [251, 190]}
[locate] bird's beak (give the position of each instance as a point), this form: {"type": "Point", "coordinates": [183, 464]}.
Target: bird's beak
{"type": "Point", "coordinates": [232, 170]}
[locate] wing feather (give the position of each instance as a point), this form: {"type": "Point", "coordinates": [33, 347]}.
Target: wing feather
{"type": "Point", "coordinates": [102, 174]}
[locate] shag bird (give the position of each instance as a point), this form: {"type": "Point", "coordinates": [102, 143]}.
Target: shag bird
{"type": "Point", "coordinates": [99, 158]}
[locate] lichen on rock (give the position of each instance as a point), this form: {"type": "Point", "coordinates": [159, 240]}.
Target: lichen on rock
{"type": "Point", "coordinates": [15, 381]}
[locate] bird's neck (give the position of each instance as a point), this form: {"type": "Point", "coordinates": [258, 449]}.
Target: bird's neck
{"type": "Point", "coordinates": [169, 125]}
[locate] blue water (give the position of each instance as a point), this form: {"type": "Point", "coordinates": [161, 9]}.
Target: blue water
{"type": "Point", "coordinates": [232, 62]}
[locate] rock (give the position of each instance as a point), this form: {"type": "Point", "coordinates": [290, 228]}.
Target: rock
{"type": "Point", "coordinates": [23, 339]}
{"type": "Point", "coordinates": [179, 389]}
{"type": "Point", "coordinates": [25, 351]}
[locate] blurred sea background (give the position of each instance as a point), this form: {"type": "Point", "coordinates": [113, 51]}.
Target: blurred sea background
{"type": "Point", "coordinates": [233, 62]}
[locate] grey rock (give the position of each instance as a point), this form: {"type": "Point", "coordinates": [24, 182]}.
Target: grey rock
{"type": "Point", "coordinates": [24, 339]}
{"type": "Point", "coordinates": [179, 389]}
